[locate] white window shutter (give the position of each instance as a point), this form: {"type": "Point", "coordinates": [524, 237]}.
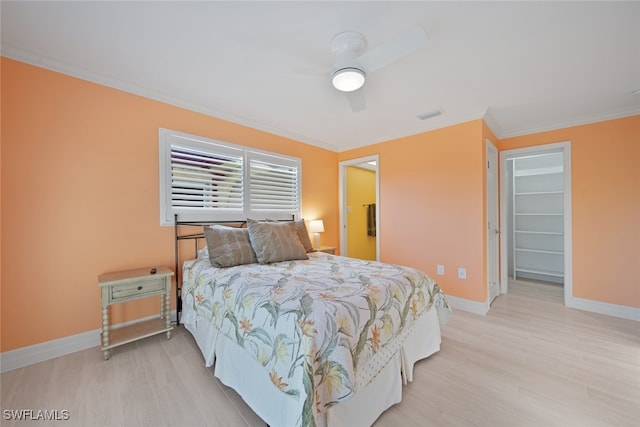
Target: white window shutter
{"type": "Point", "coordinates": [273, 186]}
{"type": "Point", "coordinates": [204, 180]}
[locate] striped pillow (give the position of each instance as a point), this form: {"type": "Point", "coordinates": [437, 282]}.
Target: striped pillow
{"type": "Point", "coordinates": [303, 235]}
{"type": "Point", "coordinates": [229, 246]}
{"type": "Point", "coordinates": [275, 241]}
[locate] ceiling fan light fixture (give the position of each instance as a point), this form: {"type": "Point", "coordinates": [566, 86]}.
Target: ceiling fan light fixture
{"type": "Point", "coordinates": [348, 79]}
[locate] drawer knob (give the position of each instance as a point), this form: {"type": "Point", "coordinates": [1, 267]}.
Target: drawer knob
{"type": "Point", "coordinates": [139, 288]}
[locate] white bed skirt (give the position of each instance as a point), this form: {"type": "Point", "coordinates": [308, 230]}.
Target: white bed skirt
{"type": "Point", "coordinates": [247, 377]}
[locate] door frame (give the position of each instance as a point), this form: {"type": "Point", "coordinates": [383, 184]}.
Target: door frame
{"type": "Point", "coordinates": [493, 221]}
{"type": "Point", "coordinates": [565, 147]}
{"type": "Point", "coordinates": [342, 196]}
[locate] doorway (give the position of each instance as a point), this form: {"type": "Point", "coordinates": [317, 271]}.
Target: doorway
{"type": "Point", "coordinates": [535, 211]}
{"type": "Point", "coordinates": [359, 208]}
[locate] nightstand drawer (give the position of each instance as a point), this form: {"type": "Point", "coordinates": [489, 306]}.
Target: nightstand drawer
{"type": "Point", "coordinates": [137, 289]}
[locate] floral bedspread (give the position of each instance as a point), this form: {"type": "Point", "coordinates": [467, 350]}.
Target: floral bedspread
{"type": "Point", "coordinates": [311, 323]}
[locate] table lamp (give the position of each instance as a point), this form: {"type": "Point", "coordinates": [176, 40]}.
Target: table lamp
{"type": "Point", "coordinates": [316, 227]}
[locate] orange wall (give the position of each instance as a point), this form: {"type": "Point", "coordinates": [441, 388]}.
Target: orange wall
{"type": "Point", "coordinates": [605, 175]}
{"type": "Point", "coordinates": [79, 180]}
{"type": "Point", "coordinates": [361, 191]}
{"type": "Point", "coordinates": [432, 204]}
{"type": "Point", "coordinates": [79, 168]}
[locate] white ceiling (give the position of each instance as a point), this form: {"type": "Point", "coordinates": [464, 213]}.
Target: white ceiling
{"type": "Point", "coordinates": [522, 66]}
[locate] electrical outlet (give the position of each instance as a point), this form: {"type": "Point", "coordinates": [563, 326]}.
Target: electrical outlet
{"type": "Point", "coordinates": [462, 273]}
{"type": "Point", "coordinates": [440, 270]}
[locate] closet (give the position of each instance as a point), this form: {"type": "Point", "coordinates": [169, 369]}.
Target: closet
{"type": "Point", "coordinates": [537, 217]}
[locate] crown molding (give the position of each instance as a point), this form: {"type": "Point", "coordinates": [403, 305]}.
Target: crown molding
{"type": "Point", "coordinates": [628, 112]}
{"type": "Point", "coordinates": [80, 73]}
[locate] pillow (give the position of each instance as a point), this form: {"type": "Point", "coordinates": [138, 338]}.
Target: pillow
{"type": "Point", "coordinates": [303, 235]}
{"type": "Point", "coordinates": [275, 241]}
{"type": "Point", "coordinates": [229, 246]}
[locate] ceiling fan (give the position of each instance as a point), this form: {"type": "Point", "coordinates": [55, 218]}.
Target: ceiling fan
{"type": "Point", "coordinates": [353, 62]}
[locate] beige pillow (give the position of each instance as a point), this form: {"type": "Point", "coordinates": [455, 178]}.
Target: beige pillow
{"type": "Point", "coordinates": [303, 235]}
{"type": "Point", "coordinates": [229, 246]}
{"type": "Point", "coordinates": [275, 241]}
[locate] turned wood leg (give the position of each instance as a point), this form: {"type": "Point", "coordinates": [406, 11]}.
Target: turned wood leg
{"type": "Point", "coordinates": [167, 310]}
{"type": "Point", "coordinates": [162, 306]}
{"type": "Point", "coordinates": [105, 331]}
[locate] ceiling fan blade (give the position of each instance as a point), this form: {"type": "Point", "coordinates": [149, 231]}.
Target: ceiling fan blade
{"type": "Point", "coordinates": [392, 50]}
{"type": "Point", "coordinates": [356, 100]}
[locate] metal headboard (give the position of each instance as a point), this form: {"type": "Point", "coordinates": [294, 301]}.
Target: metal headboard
{"type": "Point", "coordinates": [196, 237]}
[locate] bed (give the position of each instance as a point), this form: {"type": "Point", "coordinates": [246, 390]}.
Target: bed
{"type": "Point", "coordinates": [309, 339]}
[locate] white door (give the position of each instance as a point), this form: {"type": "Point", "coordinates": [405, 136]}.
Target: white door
{"type": "Point", "coordinates": [493, 244]}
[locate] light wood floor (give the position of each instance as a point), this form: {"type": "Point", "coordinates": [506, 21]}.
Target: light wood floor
{"type": "Point", "coordinates": [529, 362]}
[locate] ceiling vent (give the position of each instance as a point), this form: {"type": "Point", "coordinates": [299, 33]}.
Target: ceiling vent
{"type": "Point", "coordinates": [430, 114]}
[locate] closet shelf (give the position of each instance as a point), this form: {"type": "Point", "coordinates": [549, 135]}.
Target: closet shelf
{"type": "Point", "coordinates": [537, 209]}
{"type": "Point", "coordinates": [539, 214]}
{"type": "Point", "coordinates": [539, 271]}
{"type": "Point", "coordinates": [538, 193]}
{"type": "Point", "coordinates": [539, 251]}
{"type": "Point", "coordinates": [539, 171]}
{"type": "Point", "coordinates": [548, 233]}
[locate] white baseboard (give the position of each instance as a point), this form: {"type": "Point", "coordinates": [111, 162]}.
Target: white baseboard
{"type": "Point", "coordinates": [622, 311]}
{"type": "Point", "coordinates": [464, 304]}
{"type": "Point", "coordinates": [25, 356]}
{"type": "Point", "coordinates": [18, 358]}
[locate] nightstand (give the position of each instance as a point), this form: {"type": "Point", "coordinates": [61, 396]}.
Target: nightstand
{"type": "Point", "coordinates": [123, 286]}
{"type": "Point", "coordinates": [327, 249]}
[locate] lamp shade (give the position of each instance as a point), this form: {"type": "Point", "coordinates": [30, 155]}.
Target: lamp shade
{"type": "Point", "coordinates": [348, 79]}
{"type": "Point", "coordinates": [316, 226]}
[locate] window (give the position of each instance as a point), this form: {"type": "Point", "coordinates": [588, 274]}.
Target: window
{"type": "Point", "coordinates": [202, 179]}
